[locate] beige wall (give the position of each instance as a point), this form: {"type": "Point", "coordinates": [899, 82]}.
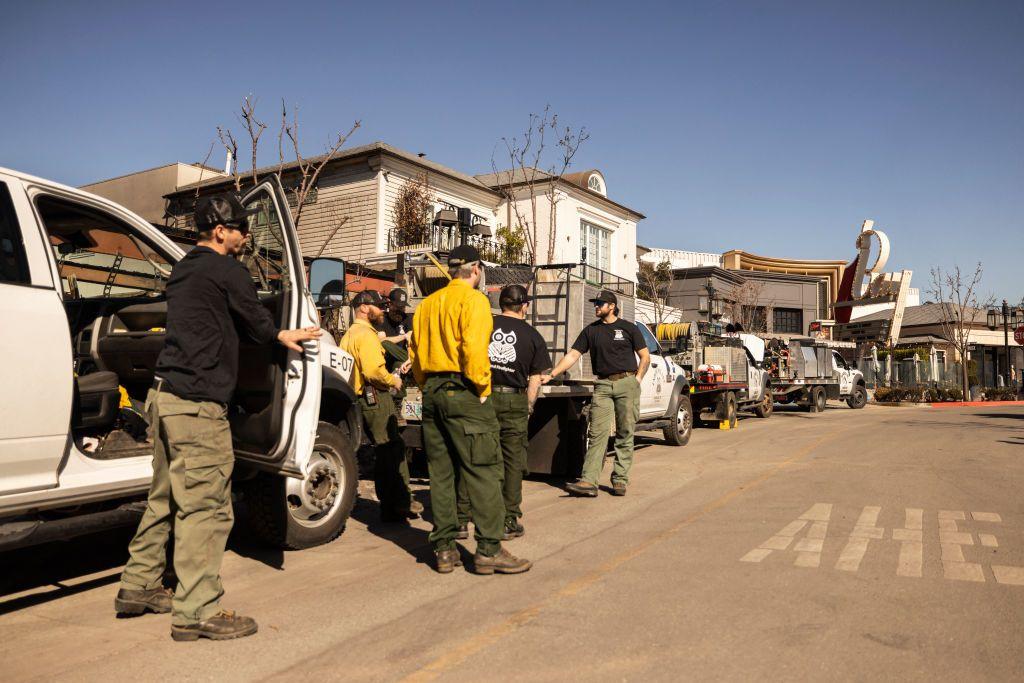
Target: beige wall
{"type": "Point", "coordinates": [143, 192]}
{"type": "Point", "coordinates": [348, 194]}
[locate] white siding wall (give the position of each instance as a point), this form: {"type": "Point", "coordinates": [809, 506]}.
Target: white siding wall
{"type": "Point", "coordinates": [572, 207]}
{"type": "Point", "coordinates": [349, 192]}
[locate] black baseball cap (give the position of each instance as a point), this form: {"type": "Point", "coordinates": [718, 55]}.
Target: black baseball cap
{"type": "Point", "coordinates": [398, 297]}
{"type": "Point", "coordinates": [463, 254]}
{"type": "Point", "coordinates": [513, 295]}
{"type": "Point", "coordinates": [368, 296]}
{"type": "Point", "coordinates": [220, 209]}
{"type": "Point", "coordinates": [605, 297]}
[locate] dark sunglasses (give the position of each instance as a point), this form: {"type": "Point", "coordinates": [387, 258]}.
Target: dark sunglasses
{"type": "Point", "coordinates": [241, 226]}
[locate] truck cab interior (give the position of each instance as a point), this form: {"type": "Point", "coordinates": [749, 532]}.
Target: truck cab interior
{"type": "Point", "coordinates": [113, 282]}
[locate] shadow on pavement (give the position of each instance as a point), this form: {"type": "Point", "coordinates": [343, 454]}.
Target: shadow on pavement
{"type": "Point", "coordinates": [409, 538]}
{"type": "Point", "coordinates": [58, 564]}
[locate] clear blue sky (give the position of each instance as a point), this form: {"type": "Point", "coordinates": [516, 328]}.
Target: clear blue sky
{"type": "Point", "coordinates": [774, 127]}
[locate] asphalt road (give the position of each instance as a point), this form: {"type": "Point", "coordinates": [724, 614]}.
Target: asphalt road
{"type": "Point", "coordinates": [882, 543]}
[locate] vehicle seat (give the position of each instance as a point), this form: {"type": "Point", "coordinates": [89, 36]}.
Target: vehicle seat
{"type": "Point", "coordinates": [96, 400]}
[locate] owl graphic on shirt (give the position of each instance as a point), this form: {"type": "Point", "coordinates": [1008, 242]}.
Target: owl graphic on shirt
{"type": "Point", "coordinates": [502, 348]}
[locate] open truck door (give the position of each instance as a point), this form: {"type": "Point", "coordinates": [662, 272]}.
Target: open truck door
{"type": "Point", "coordinates": [278, 389]}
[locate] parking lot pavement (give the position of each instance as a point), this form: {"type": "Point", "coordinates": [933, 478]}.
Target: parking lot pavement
{"type": "Point", "coordinates": [885, 542]}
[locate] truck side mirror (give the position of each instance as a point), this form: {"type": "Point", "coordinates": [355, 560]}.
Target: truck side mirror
{"type": "Point", "coordinates": [327, 281]}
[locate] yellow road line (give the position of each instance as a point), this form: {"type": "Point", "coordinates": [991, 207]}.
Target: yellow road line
{"type": "Point", "coordinates": [454, 657]}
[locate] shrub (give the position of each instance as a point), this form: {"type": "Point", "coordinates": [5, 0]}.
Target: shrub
{"type": "Point", "coordinates": [1000, 394]}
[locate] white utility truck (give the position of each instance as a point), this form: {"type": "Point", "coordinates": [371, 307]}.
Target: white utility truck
{"type": "Point", "coordinates": [725, 370]}
{"type": "Point", "coordinates": [809, 372]}
{"type": "Point", "coordinates": [559, 310]}
{"type": "Point", "coordinates": [84, 313]}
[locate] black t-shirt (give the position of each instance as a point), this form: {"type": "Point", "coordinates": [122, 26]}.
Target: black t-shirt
{"type": "Point", "coordinates": [211, 302]}
{"type": "Point", "coordinates": [611, 345]}
{"type": "Point", "coordinates": [516, 351]}
{"type": "Point", "coordinates": [392, 329]}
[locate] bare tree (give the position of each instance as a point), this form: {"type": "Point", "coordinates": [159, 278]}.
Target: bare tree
{"type": "Point", "coordinates": [653, 285]}
{"type": "Point", "coordinates": [957, 293]}
{"type": "Point", "coordinates": [307, 170]}
{"type": "Point", "coordinates": [748, 307]}
{"type": "Point", "coordinates": [535, 171]}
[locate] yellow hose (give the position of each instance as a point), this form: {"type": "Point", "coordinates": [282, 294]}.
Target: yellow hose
{"type": "Point", "coordinates": [672, 331]}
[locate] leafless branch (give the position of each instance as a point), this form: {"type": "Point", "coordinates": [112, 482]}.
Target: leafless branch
{"type": "Point", "coordinates": [957, 294]}
{"type": "Point", "coordinates": [202, 168]}
{"type": "Point", "coordinates": [231, 146]}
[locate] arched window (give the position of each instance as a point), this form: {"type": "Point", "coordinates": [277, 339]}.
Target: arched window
{"type": "Point", "coordinates": [595, 184]}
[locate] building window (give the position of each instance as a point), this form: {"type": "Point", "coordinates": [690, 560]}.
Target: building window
{"type": "Point", "coordinates": [594, 183]}
{"type": "Point", "coordinates": [788, 321]}
{"type": "Point", "coordinates": [595, 245]}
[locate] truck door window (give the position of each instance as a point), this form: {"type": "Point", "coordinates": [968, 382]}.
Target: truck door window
{"type": "Point", "coordinates": [13, 263]}
{"type": "Point", "coordinates": [98, 256]}
{"type": "Point", "coordinates": [652, 344]}
{"type": "Point", "coordinates": [264, 254]}
{"type": "Point", "coordinates": [840, 363]}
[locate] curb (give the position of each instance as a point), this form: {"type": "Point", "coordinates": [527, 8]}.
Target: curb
{"type": "Point", "coordinates": [961, 404]}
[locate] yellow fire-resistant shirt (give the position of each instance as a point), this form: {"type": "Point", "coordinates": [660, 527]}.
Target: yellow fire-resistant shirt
{"type": "Point", "coordinates": [361, 340]}
{"type": "Point", "coordinates": [450, 333]}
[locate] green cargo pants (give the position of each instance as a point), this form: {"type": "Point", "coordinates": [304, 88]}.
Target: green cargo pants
{"type": "Point", "coordinates": [460, 436]}
{"type": "Point", "coordinates": [390, 469]}
{"type": "Point", "coordinates": [190, 497]}
{"type": "Point", "coordinates": [513, 412]}
{"type": "Point", "coordinates": [620, 397]}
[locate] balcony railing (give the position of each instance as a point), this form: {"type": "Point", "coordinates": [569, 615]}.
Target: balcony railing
{"type": "Point", "coordinates": [444, 239]}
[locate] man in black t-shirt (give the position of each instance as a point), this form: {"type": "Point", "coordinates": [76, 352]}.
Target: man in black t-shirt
{"type": "Point", "coordinates": [397, 324]}
{"type": "Point", "coordinates": [613, 345]}
{"type": "Point", "coordinates": [518, 356]}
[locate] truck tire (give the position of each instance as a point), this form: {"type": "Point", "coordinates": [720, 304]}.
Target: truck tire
{"type": "Point", "coordinates": [294, 514]}
{"type": "Point", "coordinates": [765, 408]}
{"type": "Point", "coordinates": [731, 409]}
{"type": "Point", "coordinates": [818, 400]}
{"type": "Point", "coordinates": [679, 430]}
{"type": "Point", "coordinates": [858, 399]}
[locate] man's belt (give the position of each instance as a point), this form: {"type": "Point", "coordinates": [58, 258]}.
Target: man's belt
{"type": "Point", "coordinates": [458, 376]}
{"type": "Point", "coordinates": [615, 375]}
{"type": "Point", "coordinates": [502, 389]}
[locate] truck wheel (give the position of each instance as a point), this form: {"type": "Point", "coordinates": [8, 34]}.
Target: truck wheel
{"type": "Point", "coordinates": [678, 432]}
{"type": "Point", "coordinates": [818, 400]}
{"type": "Point", "coordinates": [766, 406]}
{"type": "Point", "coordinates": [301, 513]}
{"type": "Point", "coordinates": [858, 399]}
{"type": "Point", "coordinates": [731, 409]}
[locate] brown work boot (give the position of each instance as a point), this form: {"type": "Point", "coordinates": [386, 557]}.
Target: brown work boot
{"type": "Point", "coordinates": [618, 488]}
{"type": "Point", "coordinates": [582, 488]}
{"type": "Point", "coordinates": [225, 625]}
{"type": "Point", "coordinates": [448, 560]}
{"type": "Point", "coordinates": [462, 533]}
{"type": "Point", "coordinates": [513, 529]}
{"type": "Point", "coordinates": [134, 603]}
{"type": "Point", "coordinates": [416, 507]}
{"type": "Point", "coordinates": [503, 563]}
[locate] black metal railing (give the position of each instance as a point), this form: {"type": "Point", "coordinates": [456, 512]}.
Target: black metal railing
{"type": "Point", "coordinates": [444, 239]}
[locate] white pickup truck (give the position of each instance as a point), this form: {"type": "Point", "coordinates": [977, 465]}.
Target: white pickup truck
{"type": "Point", "coordinates": [84, 314]}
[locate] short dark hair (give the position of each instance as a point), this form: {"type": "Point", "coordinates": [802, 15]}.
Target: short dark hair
{"type": "Point", "coordinates": [512, 305]}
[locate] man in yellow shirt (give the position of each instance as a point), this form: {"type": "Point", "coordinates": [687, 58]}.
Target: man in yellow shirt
{"type": "Point", "coordinates": [372, 383]}
{"type": "Point", "coordinates": [451, 331]}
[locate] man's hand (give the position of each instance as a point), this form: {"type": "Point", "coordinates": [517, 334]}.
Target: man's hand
{"type": "Point", "coordinates": [544, 379]}
{"type": "Point", "coordinates": [406, 367]}
{"type": "Point", "coordinates": [291, 338]}
{"type": "Point", "coordinates": [397, 386]}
